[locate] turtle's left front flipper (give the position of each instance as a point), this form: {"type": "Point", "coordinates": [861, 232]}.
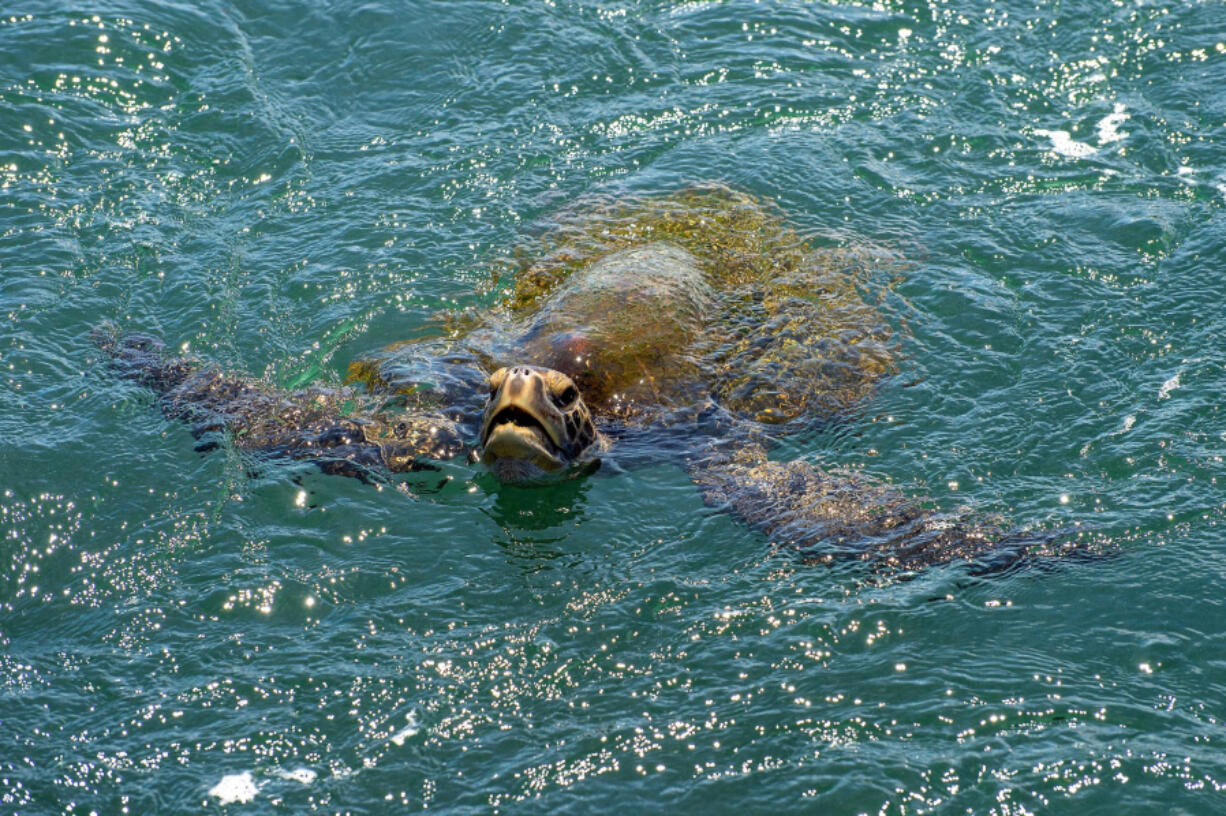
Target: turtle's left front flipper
{"type": "Point", "coordinates": [341, 429]}
{"type": "Point", "coordinates": [826, 516]}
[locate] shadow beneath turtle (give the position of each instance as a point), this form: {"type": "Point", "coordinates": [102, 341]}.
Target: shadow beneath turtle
{"type": "Point", "coordinates": [537, 520]}
{"type": "Point", "coordinates": [533, 506]}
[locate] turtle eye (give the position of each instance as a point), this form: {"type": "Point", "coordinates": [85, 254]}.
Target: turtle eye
{"type": "Point", "coordinates": [567, 397]}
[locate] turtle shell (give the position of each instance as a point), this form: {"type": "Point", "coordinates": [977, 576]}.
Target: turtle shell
{"type": "Point", "coordinates": [652, 304]}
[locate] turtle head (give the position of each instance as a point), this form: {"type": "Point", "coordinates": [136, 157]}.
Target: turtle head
{"type": "Point", "coordinates": [535, 424]}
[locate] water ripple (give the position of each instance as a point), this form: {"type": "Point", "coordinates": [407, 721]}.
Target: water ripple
{"type": "Point", "coordinates": [282, 189]}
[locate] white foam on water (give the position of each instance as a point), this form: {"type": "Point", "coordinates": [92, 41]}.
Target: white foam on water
{"type": "Point", "coordinates": [232, 788]}
{"type": "Point", "coordinates": [1169, 386]}
{"type": "Point", "coordinates": [409, 730]}
{"type": "Point", "coordinates": [1064, 144]}
{"type": "Point", "coordinates": [304, 775]}
{"type": "Point", "coordinates": [1109, 127]}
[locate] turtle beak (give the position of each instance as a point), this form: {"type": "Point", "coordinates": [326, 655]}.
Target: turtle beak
{"type": "Point", "coordinates": [521, 423]}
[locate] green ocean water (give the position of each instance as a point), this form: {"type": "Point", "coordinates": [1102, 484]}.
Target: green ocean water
{"type": "Point", "coordinates": [283, 188]}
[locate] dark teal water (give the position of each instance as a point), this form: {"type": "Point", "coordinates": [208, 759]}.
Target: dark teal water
{"type": "Point", "coordinates": [283, 188]}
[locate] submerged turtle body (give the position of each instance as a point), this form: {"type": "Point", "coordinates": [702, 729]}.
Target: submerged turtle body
{"type": "Point", "coordinates": [692, 327]}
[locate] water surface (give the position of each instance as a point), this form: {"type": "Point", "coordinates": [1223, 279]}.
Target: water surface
{"type": "Point", "coordinates": [283, 188]}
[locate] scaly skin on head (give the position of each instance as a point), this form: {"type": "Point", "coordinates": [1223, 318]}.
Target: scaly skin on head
{"type": "Point", "coordinates": [535, 424]}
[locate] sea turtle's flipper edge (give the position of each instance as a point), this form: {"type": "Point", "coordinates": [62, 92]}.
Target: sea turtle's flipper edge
{"type": "Point", "coordinates": [339, 429]}
{"type": "Point", "coordinates": [827, 516]}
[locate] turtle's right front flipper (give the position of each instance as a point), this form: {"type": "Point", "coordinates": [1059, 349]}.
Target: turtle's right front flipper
{"type": "Point", "coordinates": [340, 429]}
{"type": "Point", "coordinates": [829, 515]}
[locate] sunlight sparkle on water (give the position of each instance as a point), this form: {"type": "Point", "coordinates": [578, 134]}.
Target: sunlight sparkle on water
{"type": "Point", "coordinates": [1039, 190]}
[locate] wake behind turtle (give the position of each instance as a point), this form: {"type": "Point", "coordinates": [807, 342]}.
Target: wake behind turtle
{"type": "Point", "coordinates": [694, 327]}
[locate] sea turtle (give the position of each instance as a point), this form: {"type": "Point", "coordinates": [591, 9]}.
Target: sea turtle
{"type": "Point", "coordinates": [695, 326]}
